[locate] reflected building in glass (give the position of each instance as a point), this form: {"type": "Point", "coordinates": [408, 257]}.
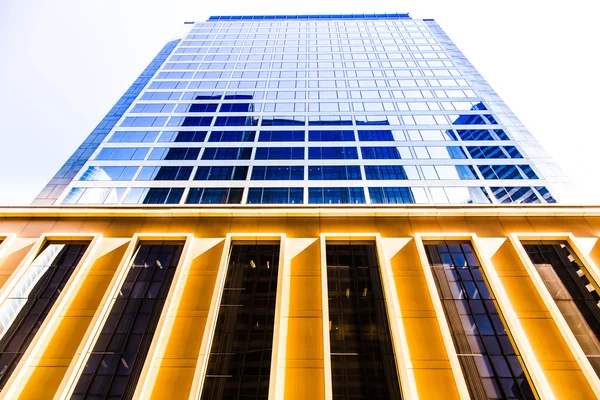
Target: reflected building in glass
{"type": "Point", "coordinates": [328, 109]}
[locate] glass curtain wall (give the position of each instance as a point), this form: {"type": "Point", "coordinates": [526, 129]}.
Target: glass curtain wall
{"type": "Point", "coordinates": [239, 364]}
{"type": "Point", "coordinates": [571, 288]}
{"type": "Point", "coordinates": [491, 363]}
{"type": "Point", "coordinates": [363, 364]}
{"type": "Point", "coordinates": [114, 366]}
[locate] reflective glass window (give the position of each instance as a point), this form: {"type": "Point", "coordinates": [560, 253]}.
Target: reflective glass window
{"type": "Point", "coordinates": [239, 361]}
{"type": "Point", "coordinates": [174, 153]}
{"type": "Point", "coordinates": [491, 363]}
{"type": "Point", "coordinates": [279, 153]}
{"type": "Point", "coordinates": [334, 172]}
{"type": "Point", "coordinates": [227, 153]}
{"type": "Point", "coordinates": [164, 174]}
{"type": "Point", "coordinates": [275, 172]}
{"type": "Point", "coordinates": [332, 153]}
{"type": "Point", "coordinates": [221, 173]}
{"type": "Point", "coordinates": [363, 363]}
{"type": "Point", "coordinates": [275, 195]}
{"type": "Point", "coordinates": [336, 195]}
{"type": "Point", "coordinates": [380, 153]}
{"type": "Point", "coordinates": [214, 196]}
{"type": "Point", "coordinates": [114, 365]}
{"type": "Point", "coordinates": [231, 136]}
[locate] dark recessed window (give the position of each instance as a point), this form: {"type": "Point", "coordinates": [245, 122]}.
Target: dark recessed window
{"type": "Point", "coordinates": [239, 363]}
{"type": "Point", "coordinates": [113, 367]}
{"type": "Point", "coordinates": [363, 363]}
{"type": "Point", "coordinates": [491, 364]}
{"type": "Point", "coordinates": [568, 282]}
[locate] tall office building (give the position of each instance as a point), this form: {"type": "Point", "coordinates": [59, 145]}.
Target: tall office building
{"type": "Point", "coordinates": [303, 207]}
{"type": "Point", "coordinates": [334, 109]}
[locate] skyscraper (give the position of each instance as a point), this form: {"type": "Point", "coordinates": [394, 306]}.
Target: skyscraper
{"type": "Point", "coordinates": [329, 109]}
{"type": "Point", "coordinates": [303, 207]}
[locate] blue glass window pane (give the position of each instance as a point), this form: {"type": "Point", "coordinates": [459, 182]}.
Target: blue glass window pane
{"type": "Point", "coordinates": [501, 134]}
{"type": "Point", "coordinates": [279, 153]}
{"type": "Point", "coordinates": [470, 119]}
{"type": "Point", "coordinates": [227, 153]}
{"type": "Point", "coordinates": [268, 173]}
{"type": "Point", "coordinates": [375, 135]}
{"type": "Point", "coordinates": [380, 153]}
{"type": "Point", "coordinates": [528, 171]}
{"type": "Point", "coordinates": [163, 196]}
{"type": "Point", "coordinates": [515, 195]}
{"type": "Point", "coordinates": [234, 121]}
{"type": "Point", "coordinates": [183, 136]}
{"type": "Point", "coordinates": [281, 136]}
{"type": "Point", "coordinates": [391, 195]}
{"type": "Point", "coordinates": [275, 195]}
{"type": "Point", "coordinates": [281, 122]}
{"type": "Point", "coordinates": [513, 152]}
{"type": "Point", "coordinates": [231, 136]}
{"type": "Point", "coordinates": [332, 153]}
{"type": "Point", "coordinates": [134, 137]}
{"type": "Point", "coordinates": [214, 196]}
{"type": "Point", "coordinates": [354, 195]}
{"type": "Point", "coordinates": [545, 194]}
{"type": "Point", "coordinates": [385, 172]}
{"type": "Point", "coordinates": [501, 172]}
{"type": "Point", "coordinates": [334, 172]}
{"type": "Point", "coordinates": [331, 136]}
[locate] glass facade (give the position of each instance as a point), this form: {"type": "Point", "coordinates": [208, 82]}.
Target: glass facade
{"type": "Point", "coordinates": [491, 363]}
{"type": "Point", "coordinates": [113, 367]}
{"type": "Point", "coordinates": [573, 290]}
{"type": "Point", "coordinates": [360, 109]}
{"type": "Point", "coordinates": [363, 364]}
{"type": "Point", "coordinates": [239, 363]}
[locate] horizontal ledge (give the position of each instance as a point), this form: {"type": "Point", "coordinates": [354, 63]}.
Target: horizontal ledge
{"type": "Point", "coordinates": [321, 211]}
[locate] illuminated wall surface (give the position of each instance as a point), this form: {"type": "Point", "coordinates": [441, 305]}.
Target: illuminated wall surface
{"type": "Point", "coordinates": [331, 109]}
{"type": "Point", "coordinates": [476, 302]}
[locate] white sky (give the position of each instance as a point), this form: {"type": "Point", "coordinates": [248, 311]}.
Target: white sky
{"type": "Point", "coordinates": [64, 63]}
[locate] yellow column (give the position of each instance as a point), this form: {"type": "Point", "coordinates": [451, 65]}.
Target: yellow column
{"type": "Point", "coordinates": [304, 365]}
{"type": "Point", "coordinates": [176, 371]}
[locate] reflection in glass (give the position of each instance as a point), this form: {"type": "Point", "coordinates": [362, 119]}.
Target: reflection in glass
{"type": "Point", "coordinates": [32, 299]}
{"type": "Point", "coordinates": [363, 363]}
{"type": "Point", "coordinates": [239, 363]}
{"type": "Point", "coordinates": [569, 284]}
{"type": "Point", "coordinates": [491, 364]}
{"type": "Point", "coordinates": [113, 367]}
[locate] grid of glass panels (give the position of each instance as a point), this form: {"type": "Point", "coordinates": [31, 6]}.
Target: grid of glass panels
{"type": "Point", "coordinates": [363, 364]}
{"type": "Point", "coordinates": [113, 367]}
{"type": "Point", "coordinates": [30, 302]}
{"type": "Point", "coordinates": [569, 284]}
{"type": "Point", "coordinates": [314, 93]}
{"type": "Point", "coordinates": [239, 363]}
{"type": "Point", "coordinates": [491, 364]}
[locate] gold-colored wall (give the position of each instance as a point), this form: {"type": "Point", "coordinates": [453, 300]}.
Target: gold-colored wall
{"type": "Point", "coordinates": [427, 363]}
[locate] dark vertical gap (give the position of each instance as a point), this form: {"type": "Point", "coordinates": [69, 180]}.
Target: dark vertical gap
{"type": "Point", "coordinates": [492, 366]}
{"type": "Point", "coordinates": [36, 305]}
{"type": "Point", "coordinates": [113, 368]}
{"type": "Point", "coordinates": [568, 283]}
{"type": "Point", "coordinates": [363, 364]}
{"type": "Point", "coordinates": [239, 364]}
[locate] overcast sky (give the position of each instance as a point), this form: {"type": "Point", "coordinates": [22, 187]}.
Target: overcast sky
{"type": "Point", "coordinates": [66, 62]}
